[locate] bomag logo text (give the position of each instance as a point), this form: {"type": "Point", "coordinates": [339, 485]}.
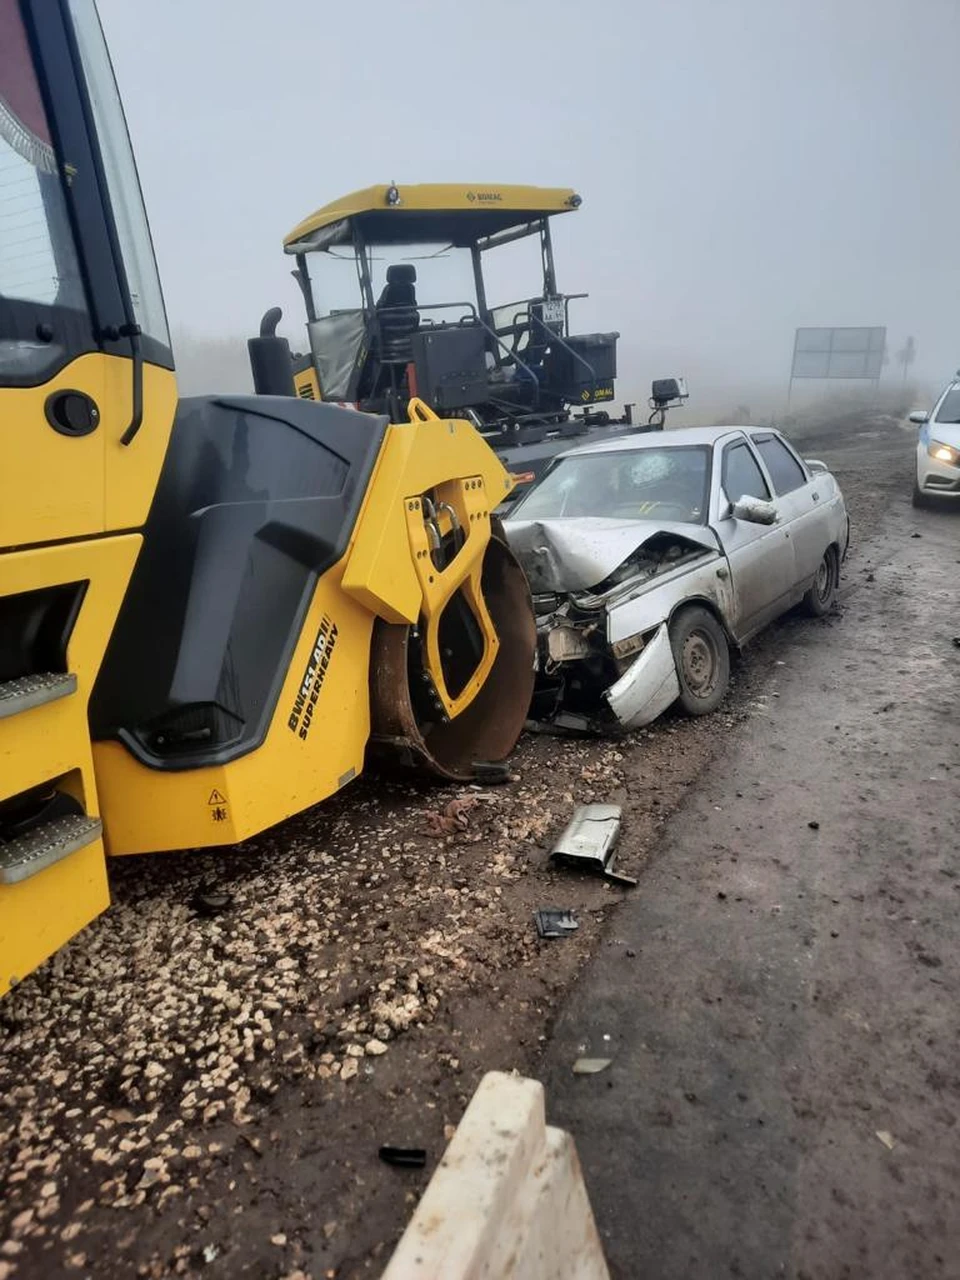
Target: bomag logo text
{"type": "Point", "coordinates": [485, 197]}
{"type": "Point", "coordinates": [301, 716]}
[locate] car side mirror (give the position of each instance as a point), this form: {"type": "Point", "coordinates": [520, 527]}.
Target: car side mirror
{"type": "Point", "coordinates": [919, 416]}
{"type": "Point", "coordinates": [755, 511]}
{"type": "Point", "coordinates": [816, 467]}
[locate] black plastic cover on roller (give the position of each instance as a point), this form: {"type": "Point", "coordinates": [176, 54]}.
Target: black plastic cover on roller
{"type": "Point", "coordinates": [257, 499]}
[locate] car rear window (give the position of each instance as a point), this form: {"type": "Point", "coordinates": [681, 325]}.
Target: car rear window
{"type": "Point", "coordinates": [785, 471]}
{"type": "Point", "coordinates": [949, 410]}
{"type": "Point", "coordinates": [742, 478]}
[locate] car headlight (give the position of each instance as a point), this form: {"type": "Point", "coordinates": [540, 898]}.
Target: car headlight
{"type": "Point", "coordinates": [944, 453]}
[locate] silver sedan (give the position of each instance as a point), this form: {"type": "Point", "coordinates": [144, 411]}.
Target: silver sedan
{"type": "Point", "coordinates": [650, 556]}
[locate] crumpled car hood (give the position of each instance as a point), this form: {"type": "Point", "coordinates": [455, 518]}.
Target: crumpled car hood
{"type": "Point", "coordinates": [577, 553]}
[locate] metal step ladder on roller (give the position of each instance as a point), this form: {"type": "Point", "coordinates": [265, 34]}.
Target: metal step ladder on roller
{"type": "Point", "coordinates": [46, 844]}
{"type": "Point", "coordinates": [52, 870]}
{"type": "Point", "coordinates": [34, 691]}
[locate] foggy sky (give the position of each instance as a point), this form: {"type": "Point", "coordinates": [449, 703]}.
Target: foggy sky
{"type": "Point", "coordinates": [746, 166]}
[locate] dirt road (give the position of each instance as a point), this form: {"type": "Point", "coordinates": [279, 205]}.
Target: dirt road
{"type": "Point", "coordinates": [193, 1094]}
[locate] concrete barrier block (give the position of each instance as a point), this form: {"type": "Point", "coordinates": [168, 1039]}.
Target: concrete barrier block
{"type": "Point", "coordinates": [506, 1201]}
{"type": "Point", "coordinates": [561, 1239]}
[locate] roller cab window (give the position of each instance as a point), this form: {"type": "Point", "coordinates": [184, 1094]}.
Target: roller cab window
{"type": "Point", "coordinates": [122, 183]}
{"type": "Point", "coordinates": [44, 317]}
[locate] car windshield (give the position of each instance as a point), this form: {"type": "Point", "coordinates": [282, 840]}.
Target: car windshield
{"type": "Point", "coordinates": [636, 484]}
{"type": "Point", "coordinates": [949, 410]}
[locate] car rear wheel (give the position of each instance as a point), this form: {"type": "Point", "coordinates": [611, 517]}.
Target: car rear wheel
{"type": "Point", "coordinates": [819, 600]}
{"type": "Point", "coordinates": [702, 658]}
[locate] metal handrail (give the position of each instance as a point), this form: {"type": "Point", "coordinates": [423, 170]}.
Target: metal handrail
{"type": "Point", "coordinates": [555, 336]}
{"type": "Point", "coordinates": [532, 319]}
{"type": "Point", "coordinates": [478, 319]}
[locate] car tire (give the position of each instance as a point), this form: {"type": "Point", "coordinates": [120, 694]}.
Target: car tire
{"type": "Point", "coordinates": [821, 597]}
{"type": "Point", "coordinates": [701, 655]}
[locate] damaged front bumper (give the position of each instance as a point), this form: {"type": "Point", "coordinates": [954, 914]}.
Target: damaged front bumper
{"type": "Point", "coordinates": [648, 686]}
{"type": "Point", "coordinates": [605, 663]}
{"type": "Point", "coordinates": [584, 690]}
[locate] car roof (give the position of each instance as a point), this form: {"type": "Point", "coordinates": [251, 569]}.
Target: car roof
{"type": "Point", "coordinates": [676, 437]}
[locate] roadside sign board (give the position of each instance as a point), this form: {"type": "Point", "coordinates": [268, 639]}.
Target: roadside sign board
{"type": "Point", "coordinates": [839, 353]}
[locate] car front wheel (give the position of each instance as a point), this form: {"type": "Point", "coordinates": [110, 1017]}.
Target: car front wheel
{"type": "Point", "coordinates": [819, 600]}
{"type": "Point", "coordinates": [702, 658]}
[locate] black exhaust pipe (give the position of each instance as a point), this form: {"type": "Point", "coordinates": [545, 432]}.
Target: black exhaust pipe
{"type": "Point", "coordinates": [270, 359]}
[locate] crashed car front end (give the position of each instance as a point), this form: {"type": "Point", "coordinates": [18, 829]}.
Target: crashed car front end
{"type": "Point", "coordinates": [604, 593]}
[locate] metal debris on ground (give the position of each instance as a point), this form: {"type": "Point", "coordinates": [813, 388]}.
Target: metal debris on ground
{"type": "Point", "coordinates": [492, 773]}
{"type": "Point", "coordinates": [588, 841]}
{"type": "Point", "coordinates": [590, 1066]}
{"type": "Point", "coordinates": [887, 1139]}
{"type": "Point", "coordinates": [210, 901]}
{"type": "Point", "coordinates": [568, 722]}
{"type": "Point", "coordinates": [555, 922]}
{"type": "Point", "coordinates": [404, 1157]}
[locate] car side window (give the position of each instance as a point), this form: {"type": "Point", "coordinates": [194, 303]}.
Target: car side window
{"type": "Point", "coordinates": [785, 471]}
{"type": "Point", "coordinates": [740, 475]}
{"type": "Point", "coordinates": [949, 410]}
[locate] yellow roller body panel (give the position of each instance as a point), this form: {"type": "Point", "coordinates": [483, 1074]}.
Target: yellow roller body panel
{"type": "Point", "coordinates": [50, 744]}
{"type": "Point", "coordinates": [382, 572]}
{"type": "Point", "coordinates": [307, 383]}
{"type": "Point", "coordinates": [54, 487]}
{"type": "Point", "coordinates": [320, 724]}
{"type": "Point", "coordinates": [314, 746]}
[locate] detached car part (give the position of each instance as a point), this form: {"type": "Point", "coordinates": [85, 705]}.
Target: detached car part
{"type": "Point", "coordinates": [588, 840]}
